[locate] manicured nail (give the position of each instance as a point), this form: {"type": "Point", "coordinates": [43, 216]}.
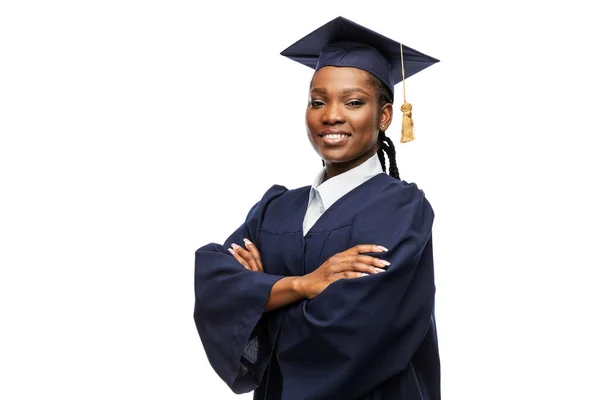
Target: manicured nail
{"type": "Point", "coordinates": [382, 248]}
{"type": "Point", "coordinates": [247, 242]}
{"type": "Point", "coordinates": [383, 262]}
{"type": "Point", "coordinates": [235, 246]}
{"type": "Point", "coordinates": [363, 274]}
{"type": "Point", "coordinates": [379, 270]}
{"type": "Point", "coordinates": [231, 251]}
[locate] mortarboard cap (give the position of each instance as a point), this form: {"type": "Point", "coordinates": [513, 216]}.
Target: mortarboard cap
{"type": "Point", "coordinates": [343, 43]}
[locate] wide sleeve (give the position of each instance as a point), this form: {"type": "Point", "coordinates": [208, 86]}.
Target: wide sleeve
{"type": "Point", "coordinates": [229, 305]}
{"type": "Point", "coordinates": [359, 333]}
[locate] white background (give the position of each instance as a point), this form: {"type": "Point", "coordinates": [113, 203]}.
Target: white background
{"type": "Point", "coordinates": [133, 132]}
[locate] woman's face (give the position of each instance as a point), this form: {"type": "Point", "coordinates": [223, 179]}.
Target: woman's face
{"type": "Point", "coordinates": [343, 118]}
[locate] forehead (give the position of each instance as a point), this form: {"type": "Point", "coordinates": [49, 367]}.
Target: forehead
{"type": "Point", "coordinates": [341, 77]}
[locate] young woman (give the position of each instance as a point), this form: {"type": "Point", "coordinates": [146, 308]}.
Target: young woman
{"type": "Point", "coordinates": [327, 291]}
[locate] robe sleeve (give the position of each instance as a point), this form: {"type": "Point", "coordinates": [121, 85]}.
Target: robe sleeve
{"type": "Point", "coordinates": [230, 303]}
{"type": "Point", "coordinates": [360, 332]}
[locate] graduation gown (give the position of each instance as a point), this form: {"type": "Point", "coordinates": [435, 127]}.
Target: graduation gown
{"type": "Point", "coordinates": [369, 338]}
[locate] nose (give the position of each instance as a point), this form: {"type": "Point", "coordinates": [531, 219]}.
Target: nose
{"type": "Point", "coordinates": [333, 114]}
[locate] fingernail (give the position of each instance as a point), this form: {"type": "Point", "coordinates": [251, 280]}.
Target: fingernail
{"type": "Point", "coordinates": [383, 262]}
{"type": "Point", "coordinates": [247, 242]}
{"type": "Point", "coordinates": [363, 274]}
{"type": "Point", "coordinates": [235, 246]}
{"type": "Point", "coordinates": [231, 251]}
{"type": "Point", "coordinates": [379, 270]}
{"type": "Point", "coordinates": [382, 248]}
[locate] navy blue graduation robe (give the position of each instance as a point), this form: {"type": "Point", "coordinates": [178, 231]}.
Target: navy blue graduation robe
{"type": "Point", "coordinates": [371, 338]}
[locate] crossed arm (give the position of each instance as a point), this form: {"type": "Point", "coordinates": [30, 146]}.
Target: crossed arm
{"type": "Point", "coordinates": [349, 264]}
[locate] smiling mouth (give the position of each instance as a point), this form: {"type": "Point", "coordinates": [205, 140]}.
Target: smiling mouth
{"type": "Point", "coordinates": [334, 135]}
{"type": "Point", "coordinates": [334, 138]}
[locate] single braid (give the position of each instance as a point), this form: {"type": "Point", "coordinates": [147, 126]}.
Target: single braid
{"type": "Point", "coordinates": [387, 145]}
{"type": "Point", "coordinates": [381, 155]}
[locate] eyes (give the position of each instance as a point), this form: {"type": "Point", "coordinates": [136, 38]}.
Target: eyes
{"type": "Point", "coordinates": [355, 103]}
{"type": "Point", "coordinates": [351, 103]}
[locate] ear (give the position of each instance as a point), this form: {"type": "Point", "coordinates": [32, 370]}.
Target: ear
{"type": "Point", "coordinates": [386, 115]}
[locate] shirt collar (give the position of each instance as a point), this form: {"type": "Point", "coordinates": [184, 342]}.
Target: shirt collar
{"type": "Point", "coordinates": [333, 188]}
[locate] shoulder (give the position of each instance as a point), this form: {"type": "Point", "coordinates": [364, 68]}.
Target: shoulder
{"type": "Point", "coordinates": [399, 193]}
{"type": "Point", "coordinates": [281, 194]}
{"type": "Point", "coordinates": [395, 212]}
{"type": "Point", "coordinates": [278, 196]}
{"type": "Point", "coordinates": [394, 202]}
{"type": "Point", "coordinates": [272, 194]}
{"type": "Point", "coordinates": [277, 208]}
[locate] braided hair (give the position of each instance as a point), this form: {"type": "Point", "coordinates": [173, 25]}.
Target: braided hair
{"type": "Point", "coordinates": [386, 145]}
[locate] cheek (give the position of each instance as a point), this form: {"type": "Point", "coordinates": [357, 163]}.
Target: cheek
{"type": "Point", "coordinates": [312, 121]}
{"type": "Point", "coordinates": [308, 118]}
{"type": "Point", "coordinates": [366, 123]}
{"type": "Point", "coordinates": [311, 128]}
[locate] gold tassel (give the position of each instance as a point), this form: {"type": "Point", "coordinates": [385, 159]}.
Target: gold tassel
{"type": "Point", "coordinates": [408, 134]}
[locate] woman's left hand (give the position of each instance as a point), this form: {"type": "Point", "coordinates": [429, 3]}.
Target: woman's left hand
{"type": "Point", "coordinates": [249, 257]}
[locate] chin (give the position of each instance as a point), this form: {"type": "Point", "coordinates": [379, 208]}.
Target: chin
{"type": "Point", "coordinates": [336, 157]}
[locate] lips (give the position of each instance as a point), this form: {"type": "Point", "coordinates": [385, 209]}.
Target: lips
{"type": "Point", "coordinates": [334, 137]}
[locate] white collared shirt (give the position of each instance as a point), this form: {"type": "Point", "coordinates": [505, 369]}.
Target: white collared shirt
{"type": "Point", "coordinates": [323, 194]}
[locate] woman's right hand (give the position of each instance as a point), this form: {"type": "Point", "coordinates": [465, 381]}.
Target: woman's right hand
{"type": "Point", "coordinates": [348, 264]}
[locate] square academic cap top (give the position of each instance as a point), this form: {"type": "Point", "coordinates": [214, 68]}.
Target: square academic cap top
{"type": "Point", "coordinates": [343, 43]}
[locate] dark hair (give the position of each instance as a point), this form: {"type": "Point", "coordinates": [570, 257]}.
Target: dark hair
{"type": "Point", "coordinates": [386, 146]}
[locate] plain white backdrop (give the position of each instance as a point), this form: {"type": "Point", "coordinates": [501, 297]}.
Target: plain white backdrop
{"type": "Point", "coordinates": [133, 132]}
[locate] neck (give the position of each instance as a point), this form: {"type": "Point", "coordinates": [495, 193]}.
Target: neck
{"type": "Point", "coordinates": [335, 169]}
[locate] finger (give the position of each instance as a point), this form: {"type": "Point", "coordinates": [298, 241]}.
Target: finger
{"type": "Point", "coordinates": [366, 248]}
{"type": "Point", "coordinates": [374, 261]}
{"type": "Point", "coordinates": [351, 275]}
{"type": "Point", "coordinates": [369, 260]}
{"type": "Point", "coordinates": [353, 265]}
{"type": "Point", "coordinates": [246, 255]}
{"type": "Point", "coordinates": [357, 266]}
{"type": "Point", "coordinates": [367, 269]}
{"type": "Point", "coordinates": [239, 259]}
{"type": "Point", "coordinates": [254, 251]}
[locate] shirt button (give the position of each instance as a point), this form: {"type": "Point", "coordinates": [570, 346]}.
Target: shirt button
{"type": "Point", "coordinates": [322, 209]}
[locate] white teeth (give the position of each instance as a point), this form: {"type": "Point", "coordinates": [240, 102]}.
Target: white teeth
{"type": "Point", "coordinates": [335, 136]}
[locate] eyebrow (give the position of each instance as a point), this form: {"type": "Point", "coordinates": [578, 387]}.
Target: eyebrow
{"type": "Point", "coordinates": [356, 89]}
{"type": "Point", "coordinates": [344, 91]}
